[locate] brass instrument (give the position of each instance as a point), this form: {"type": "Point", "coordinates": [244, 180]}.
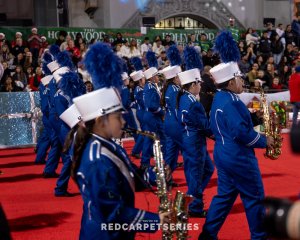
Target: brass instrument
{"type": "Point", "coordinates": [271, 128]}
{"type": "Point", "coordinates": [181, 201]}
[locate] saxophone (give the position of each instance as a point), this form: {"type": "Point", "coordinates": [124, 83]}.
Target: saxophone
{"type": "Point", "coordinates": [179, 206]}
{"type": "Point", "coordinates": [272, 128]}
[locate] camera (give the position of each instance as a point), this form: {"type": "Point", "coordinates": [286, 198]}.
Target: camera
{"type": "Point", "coordinates": [294, 138]}
{"type": "Point", "coordinates": [282, 220]}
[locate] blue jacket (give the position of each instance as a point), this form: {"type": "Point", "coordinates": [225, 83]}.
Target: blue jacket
{"type": "Point", "coordinates": [172, 126]}
{"type": "Point", "coordinates": [152, 99]}
{"type": "Point", "coordinates": [192, 115]}
{"type": "Point", "coordinates": [105, 179]}
{"type": "Point", "coordinates": [125, 96]}
{"type": "Point", "coordinates": [233, 129]}
{"type": "Point", "coordinates": [139, 99]}
{"type": "Point", "coordinates": [44, 96]}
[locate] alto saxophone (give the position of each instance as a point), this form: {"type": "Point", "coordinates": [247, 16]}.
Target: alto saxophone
{"type": "Point", "coordinates": [271, 128]}
{"type": "Point", "coordinates": [179, 206]}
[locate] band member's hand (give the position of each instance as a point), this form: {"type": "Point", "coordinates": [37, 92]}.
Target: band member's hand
{"type": "Point", "coordinates": [270, 141]}
{"type": "Point", "coordinates": [168, 173]}
{"type": "Point", "coordinates": [165, 217]}
{"type": "Point", "coordinates": [259, 113]}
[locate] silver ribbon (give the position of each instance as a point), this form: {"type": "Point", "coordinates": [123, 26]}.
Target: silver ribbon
{"type": "Point", "coordinates": [35, 115]}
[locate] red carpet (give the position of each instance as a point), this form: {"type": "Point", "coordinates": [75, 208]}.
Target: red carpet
{"type": "Point", "coordinates": [34, 212]}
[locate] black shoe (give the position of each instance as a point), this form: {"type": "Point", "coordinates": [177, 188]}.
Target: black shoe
{"type": "Point", "coordinates": [63, 194]}
{"type": "Point", "coordinates": [50, 175]}
{"type": "Point", "coordinates": [180, 164]}
{"type": "Point", "coordinates": [137, 156]}
{"type": "Point", "coordinates": [39, 163]}
{"type": "Point", "coordinates": [203, 214]}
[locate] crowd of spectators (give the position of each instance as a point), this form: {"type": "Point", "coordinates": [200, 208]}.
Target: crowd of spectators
{"type": "Point", "coordinates": [267, 57]}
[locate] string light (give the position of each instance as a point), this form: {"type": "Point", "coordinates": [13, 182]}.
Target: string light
{"type": "Point", "coordinates": [243, 8]}
{"type": "Point", "coordinates": [229, 4]}
{"type": "Point", "coordinates": [206, 5]}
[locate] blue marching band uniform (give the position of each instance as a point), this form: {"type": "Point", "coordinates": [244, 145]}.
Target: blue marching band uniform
{"type": "Point", "coordinates": [105, 174]}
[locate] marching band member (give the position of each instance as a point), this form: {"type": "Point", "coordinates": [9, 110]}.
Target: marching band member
{"type": "Point", "coordinates": [139, 80]}
{"type": "Point", "coordinates": [127, 103]}
{"type": "Point", "coordinates": [54, 153]}
{"type": "Point", "coordinates": [198, 167]}
{"type": "Point", "coordinates": [101, 168]}
{"type": "Point", "coordinates": [69, 86]}
{"type": "Point", "coordinates": [169, 99]}
{"type": "Point", "coordinates": [234, 156]}
{"type": "Point", "coordinates": [171, 124]}
{"type": "Point", "coordinates": [154, 114]}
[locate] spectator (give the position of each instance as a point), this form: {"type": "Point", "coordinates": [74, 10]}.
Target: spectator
{"type": "Point", "coordinates": [17, 36]}
{"type": "Point", "coordinates": [294, 87]}
{"type": "Point", "coordinates": [20, 77]}
{"type": "Point", "coordinates": [276, 85]}
{"type": "Point", "coordinates": [61, 37]}
{"type": "Point", "coordinates": [134, 50]}
{"type": "Point", "coordinates": [145, 47]}
{"type": "Point", "coordinates": [74, 51]}
{"type": "Point", "coordinates": [44, 45]}
{"type": "Point", "coordinates": [10, 86]}
{"type": "Point", "coordinates": [19, 47]}
{"type": "Point", "coordinates": [19, 60]}
{"type": "Point", "coordinates": [244, 64]}
{"type": "Point", "coordinates": [125, 50]}
{"type": "Point", "coordinates": [119, 40]}
{"type": "Point", "coordinates": [252, 75]}
{"type": "Point", "coordinates": [271, 32]}
{"type": "Point", "coordinates": [34, 81]}
{"type": "Point", "coordinates": [277, 48]}
{"type": "Point", "coordinates": [205, 44]}
{"type": "Point", "coordinates": [34, 43]}
{"type": "Point", "coordinates": [6, 56]}
{"type": "Point", "coordinates": [208, 90]}
{"type": "Point", "coordinates": [82, 49]}
{"type": "Point", "coordinates": [6, 72]}
{"type": "Point", "coordinates": [296, 30]}
{"type": "Point", "coordinates": [260, 62]}
{"type": "Point", "coordinates": [193, 41]}
{"type": "Point", "coordinates": [3, 41]}
{"type": "Point", "coordinates": [289, 35]}
{"type": "Point", "coordinates": [28, 60]}
{"type": "Point", "coordinates": [167, 41]}
{"type": "Point", "coordinates": [78, 40]}
{"type": "Point", "coordinates": [158, 47]}
{"type": "Point", "coordinates": [64, 45]}
{"type": "Point", "coordinates": [162, 60]}
{"type": "Point", "coordinates": [265, 46]}
{"type": "Point", "coordinates": [251, 37]}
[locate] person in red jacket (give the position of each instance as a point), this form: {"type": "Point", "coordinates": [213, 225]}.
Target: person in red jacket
{"type": "Point", "coordinates": [35, 80]}
{"type": "Point", "coordinates": [294, 87]}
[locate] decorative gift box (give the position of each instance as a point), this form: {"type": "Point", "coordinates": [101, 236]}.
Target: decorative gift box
{"type": "Point", "coordinates": [20, 119]}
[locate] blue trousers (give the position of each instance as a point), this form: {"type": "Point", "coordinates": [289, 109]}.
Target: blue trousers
{"type": "Point", "coordinates": [198, 168]}
{"type": "Point", "coordinates": [64, 176]}
{"type": "Point", "coordinates": [296, 110]}
{"type": "Point", "coordinates": [173, 140]}
{"type": "Point", "coordinates": [233, 179]}
{"type": "Point", "coordinates": [54, 153]}
{"type": "Point", "coordinates": [154, 124]}
{"type": "Point", "coordinates": [44, 142]}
